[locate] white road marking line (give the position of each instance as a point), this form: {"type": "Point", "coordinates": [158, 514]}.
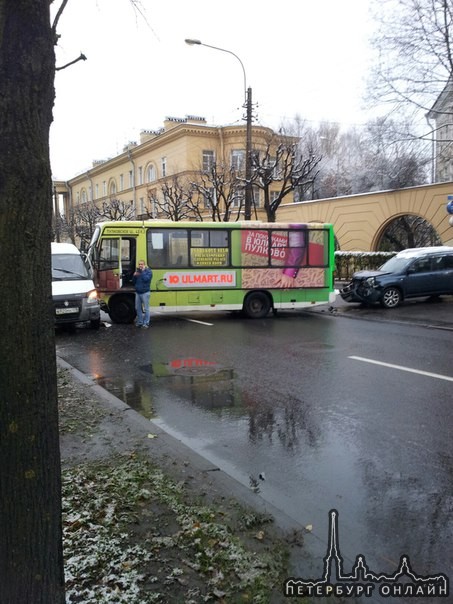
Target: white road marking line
{"type": "Point", "coordinates": [401, 368]}
{"type": "Point", "coordinates": [200, 322]}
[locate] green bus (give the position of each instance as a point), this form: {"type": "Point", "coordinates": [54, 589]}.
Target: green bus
{"type": "Point", "coordinates": [254, 267]}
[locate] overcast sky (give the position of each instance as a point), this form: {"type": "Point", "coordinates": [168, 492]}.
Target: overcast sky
{"type": "Point", "coordinates": [301, 57]}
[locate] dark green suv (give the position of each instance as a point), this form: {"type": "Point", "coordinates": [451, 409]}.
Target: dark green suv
{"type": "Point", "coordinates": [412, 273]}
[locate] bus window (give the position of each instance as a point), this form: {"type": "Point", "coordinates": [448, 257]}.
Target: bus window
{"type": "Point", "coordinates": [178, 248]}
{"type": "Point", "coordinates": [288, 248]}
{"type": "Point", "coordinates": [109, 254]}
{"type": "Point", "coordinates": [318, 248]}
{"type": "Point", "coordinates": [254, 247]}
{"type": "Point", "coordinates": [209, 238]}
{"type": "Point", "coordinates": [167, 248]}
{"type": "Point", "coordinates": [128, 260]}
{"type": "Point", "coordinates": [116, 258]}
{"type": "Point", "coordinates": [209, 248]}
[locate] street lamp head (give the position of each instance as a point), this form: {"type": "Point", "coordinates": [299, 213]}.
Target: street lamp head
{"type": "Point", "coordinates": [192, 42]}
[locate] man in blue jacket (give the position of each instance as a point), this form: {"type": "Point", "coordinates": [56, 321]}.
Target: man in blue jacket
{"type": "Point", "coordinates": [142, 283]}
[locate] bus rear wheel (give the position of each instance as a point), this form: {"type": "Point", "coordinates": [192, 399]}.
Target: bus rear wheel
{"type": "Point", "coordinates": [122, 309]}
{"type": "Point", "coordinates": [257, 305]}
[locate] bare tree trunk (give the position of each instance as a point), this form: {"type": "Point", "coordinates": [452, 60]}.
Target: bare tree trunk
{"type": "Point", "coordinates": [31, 561]}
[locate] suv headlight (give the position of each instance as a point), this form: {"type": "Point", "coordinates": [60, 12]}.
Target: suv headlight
{"type": "Point", "coordinates": [371, 281]}
{"type": "Point", "coordinates": [92, 297]}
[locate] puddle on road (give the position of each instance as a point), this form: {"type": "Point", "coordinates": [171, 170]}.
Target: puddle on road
{"type": "Point", "coordinates": [203, 383]}
{"type": "Point", "coordinates": [134, 393]}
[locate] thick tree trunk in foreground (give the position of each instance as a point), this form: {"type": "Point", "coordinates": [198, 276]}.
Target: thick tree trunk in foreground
{"type": "Point", "coordinates": [31, 566]}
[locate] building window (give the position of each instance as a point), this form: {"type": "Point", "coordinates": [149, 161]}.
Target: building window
{"type": "Point", "coordinates": [239, 199]}
{"type": "Point", "coordinates": [164, 167]}
{"type": "Point", "coordinates": [112, 188]}
{"type": "Point", "coordinates": [276, 168]}
{"type": "Point", "coordinates": [104, 188]}
{"type": "Point", "coordinates": [210, 198]}
{"type": "Point", "coordinates": [256, 196]}
{"type": "Point", "coordinates": [121, 182]}
{"type": "Point", "coordinates": [274, 195]}
{"type": "Point", "coordinates": [90, 193]}
{"type": "Point", "coordinates": [238, 160]}
{"type": "Point", "coordinates": [208, 160]}
{"type": "Point", "coordinates": [140, 175]}
{"type": "Point", "coordinates": [96, 191]}
{"type": "Point", "coordinates": [151, 174]}
{"type": "Point", "coordinates": [151, 203]}
{"type": "Point", "coordinates": [131, 179]}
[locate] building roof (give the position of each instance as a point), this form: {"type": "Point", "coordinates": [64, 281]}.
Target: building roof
{"type": "Point", "coordinates": [443, 103]}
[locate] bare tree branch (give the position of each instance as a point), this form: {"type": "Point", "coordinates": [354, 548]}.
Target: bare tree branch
{"type": "Point", "coordinates": [57, 18]}
{"type": "Point", "coordinates": [173, 201]}
{"type": "Point", "coordinates": [82, 57]}
{"type": "Point", "coordinates": [414, 52]}
{"type": "Point", "coordinates": [221, 190]}
{"type": "Point", "coordinates": [285, 166]}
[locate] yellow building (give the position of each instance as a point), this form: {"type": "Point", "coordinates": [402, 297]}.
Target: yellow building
{"type": "Point", "coordinates": [183, 148]}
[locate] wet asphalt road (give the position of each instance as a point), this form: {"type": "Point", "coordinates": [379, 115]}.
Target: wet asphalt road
{"type": "Point", "coordinates": [351, 415]}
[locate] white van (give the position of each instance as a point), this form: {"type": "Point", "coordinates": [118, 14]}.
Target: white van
{"type": "Point", "coordinates": [74, 295]}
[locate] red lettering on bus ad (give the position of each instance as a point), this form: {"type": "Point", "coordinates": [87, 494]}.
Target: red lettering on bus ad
{"type": "Point", "coordinates": [181, 279]}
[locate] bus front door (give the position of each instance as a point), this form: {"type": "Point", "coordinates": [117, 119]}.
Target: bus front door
{"type": "Point", "coordinates": [115, 263]}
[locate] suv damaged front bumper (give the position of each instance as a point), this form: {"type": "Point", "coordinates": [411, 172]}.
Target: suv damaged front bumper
{"type": "Point", "coordinates": [360, 291]}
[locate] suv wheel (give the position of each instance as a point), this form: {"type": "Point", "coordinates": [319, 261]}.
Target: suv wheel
{"type": "Point", "coordinates": [391, 297]}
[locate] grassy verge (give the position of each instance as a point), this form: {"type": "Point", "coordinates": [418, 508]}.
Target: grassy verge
{"type": "Point", "coordinates": [132, 536]}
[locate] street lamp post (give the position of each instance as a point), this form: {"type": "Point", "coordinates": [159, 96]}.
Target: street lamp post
{"type": "Point", "coordinates": [248, 118]}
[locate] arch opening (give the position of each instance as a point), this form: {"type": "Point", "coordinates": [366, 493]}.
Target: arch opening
{"type": "Point", "coordinates": [406, 231]}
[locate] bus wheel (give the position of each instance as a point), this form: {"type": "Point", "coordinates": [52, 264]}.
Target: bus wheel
{"type": "Point", "coordinates": [122, 309]}
{"type": "Point", "coordinates": [257, 305]}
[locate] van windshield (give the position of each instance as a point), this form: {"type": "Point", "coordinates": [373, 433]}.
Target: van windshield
{"type": "Point", "coordinates": [68, 267]}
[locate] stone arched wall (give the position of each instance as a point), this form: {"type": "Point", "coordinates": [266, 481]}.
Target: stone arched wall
{"type": "Point", "coordinates": [380, 232]}
{"type": "Point", "coordinates": [358, 219]}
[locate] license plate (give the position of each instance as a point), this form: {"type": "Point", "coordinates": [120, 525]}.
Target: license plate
{"type": "Point", "coordinates": [66, 311]}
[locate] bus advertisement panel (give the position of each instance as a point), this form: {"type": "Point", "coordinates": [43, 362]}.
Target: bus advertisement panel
{"type": "Point", "coordinates": [250, 266]}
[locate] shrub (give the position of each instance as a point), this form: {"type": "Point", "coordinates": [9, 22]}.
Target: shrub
{"type": "Point", "coordinates": [347, 263]}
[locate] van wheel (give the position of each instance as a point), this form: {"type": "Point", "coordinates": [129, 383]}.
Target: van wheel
{"type": "Point", "coordinates": [257, 305]}
{"type": "Point", "coordinates": [122, 309]}
{"type": "Point", "coordinates": [391, 297]}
